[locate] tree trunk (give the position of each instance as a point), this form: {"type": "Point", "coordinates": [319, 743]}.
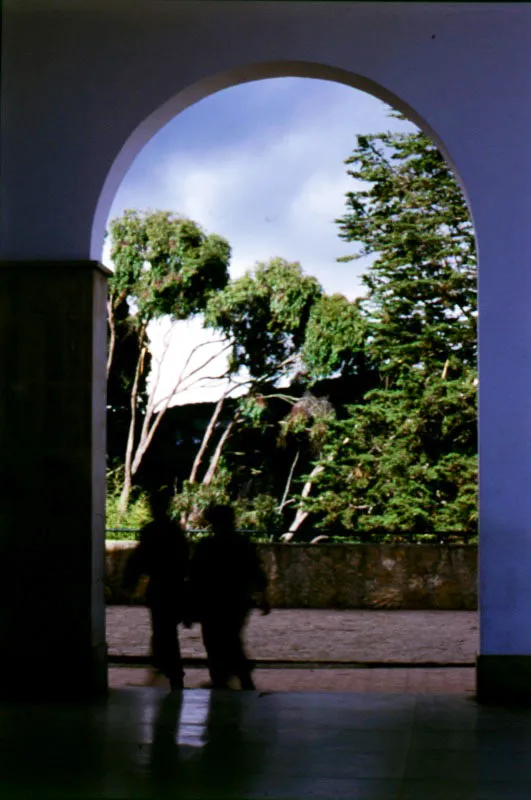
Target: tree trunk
{"type": "Point", "coordinates": [206, 439]}
{"type": "Point", "coordinates": [214, 461]}
{"type": "Point", "coordinates": [147, 433]}
{"type": "Point", "coordinates": [301, 514]}
{"type": "Point", "coordinates": [288, 482]}
{"type": "Point", "coordinates": [211, 471]}
{"type": "Point", "coordinates": [112, 337]}
{"type": "Point", "coordinates": [128, 472]}
{"type": "Point", "coordinates": [125, 494]}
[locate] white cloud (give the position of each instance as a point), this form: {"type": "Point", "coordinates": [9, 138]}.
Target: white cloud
{"type": "Point", "coordinates": [322, 194]}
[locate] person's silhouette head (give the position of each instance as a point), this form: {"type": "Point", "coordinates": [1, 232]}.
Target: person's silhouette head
{"type": "Point", "coordinates": [220, 518]}
{"type": "Point", "coordinates": [159, 501]}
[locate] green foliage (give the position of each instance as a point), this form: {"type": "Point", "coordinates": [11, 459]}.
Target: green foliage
{"type": "Point", "coordinates": [308, 419]}
{"type": "Point", "coordinates": [421, 304]}
{"type": "Point", "coordinates": [138, 512]}
{"type": "Point", "coordinates": [260, 515]}
{"type": "Point", "coordinates": [252, 410]}
{"type": "Point", "coordinates": [265, 313]}
{"type": "Point", "coordinates": [405, 458]}
{"type": "Point", "coordinates": [403, 461]}
{"type": "Point", "coordinates": [399, 457]}
{"type": "Point", "coordinates": [165, 264]}
{"type": "Point", "coordinates": [334, 337]}
{"type": "Point", "coordinates": [195, 498]}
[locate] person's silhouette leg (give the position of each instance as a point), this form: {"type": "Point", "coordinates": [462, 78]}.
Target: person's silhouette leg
{"type": "Point", "coordinates": [214, 640]}
{"type": "Point", "coordinates": [166, 649]}
{"type": "Point", "coordinates": [156, 641]}
{"type": "Point", "coordinates": [241, 666]}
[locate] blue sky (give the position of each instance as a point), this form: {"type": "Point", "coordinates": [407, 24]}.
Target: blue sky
{"type": "Point", "coordinates": [263, 165]}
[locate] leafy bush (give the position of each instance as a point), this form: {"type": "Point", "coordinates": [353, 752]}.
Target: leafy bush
{"type": "Point", "coordinates": [138, 511]}
{"type": "Point", "coordinates": [189, 505]}
{"type": "Point", "coordinates": [259, 515]}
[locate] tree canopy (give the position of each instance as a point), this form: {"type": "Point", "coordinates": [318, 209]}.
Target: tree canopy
{"type": "Point", "coordinates": [358, 416]}
{"type": "Point", "coordinates": [164, 266]}
{"type": "Point", "coordinates": [421, 304]}
{"type": "Point", "coordinates": [405, 458]}
{"type": "Point", "coordinates": [335, 338]}
{"type": "Point", "coordinates": [265, 313]}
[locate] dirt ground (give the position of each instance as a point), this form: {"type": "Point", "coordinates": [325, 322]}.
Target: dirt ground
{"type": "Point", "coordinates": [323, 636]}
{"type": "Point", "coordinates": [403, 681]}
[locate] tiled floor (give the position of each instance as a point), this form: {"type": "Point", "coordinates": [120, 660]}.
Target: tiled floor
{"type": "Point", "coordinates": [147, 743]}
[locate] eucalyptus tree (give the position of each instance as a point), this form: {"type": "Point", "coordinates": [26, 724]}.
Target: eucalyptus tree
{"type": "Point", "coordinates": [164, 266]}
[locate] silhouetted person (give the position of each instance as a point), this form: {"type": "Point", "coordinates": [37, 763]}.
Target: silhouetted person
{"type": "Point", "coordinates": [226, 574]}
{"type": "Point", "coordinates": [162, 554]}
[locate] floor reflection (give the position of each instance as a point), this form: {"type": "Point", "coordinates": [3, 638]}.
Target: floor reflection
{"type": "Point", "coordinates": [208, 742]}
{"type": "Point", "coordinates": [149, 743]}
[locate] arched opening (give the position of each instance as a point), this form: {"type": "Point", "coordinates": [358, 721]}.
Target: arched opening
{"type": "Point", "coordinates": [245, 74]}
{"type": "Point", "coordinates": [212, 90]}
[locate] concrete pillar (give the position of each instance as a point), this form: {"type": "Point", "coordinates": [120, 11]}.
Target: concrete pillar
{"type": "Point", "coordinates": [52, 479]}
{"type": "Point", "coordinates": [504, 235]}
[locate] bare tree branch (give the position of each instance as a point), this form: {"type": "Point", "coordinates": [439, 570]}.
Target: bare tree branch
{"type": "Point", "coordinates": [284, 501]}
{"type": "Point", "coordinates": [206, 439]}
{"type": "Point", "coordinates": [112, 302]}
{"type": "Point", "coordinates": [205, 363]}
{"type": "Point", "coordinates": [150, 425]}
{"type": "Point", "coordinates": [214, 461]}
{"type": "Point", "coordinates": [202, 366]}
{"type": "Point", "coordinates": [286, 397]}
{"type": "Point", "coordinates": [302, 514]}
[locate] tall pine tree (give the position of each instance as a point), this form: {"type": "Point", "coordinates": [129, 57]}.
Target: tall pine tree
{"type": "Point", "coordinates": [405, 458]}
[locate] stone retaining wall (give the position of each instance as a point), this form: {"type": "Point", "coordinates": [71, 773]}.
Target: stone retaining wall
{"type": "Point", "coordinates": [377, 576]}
